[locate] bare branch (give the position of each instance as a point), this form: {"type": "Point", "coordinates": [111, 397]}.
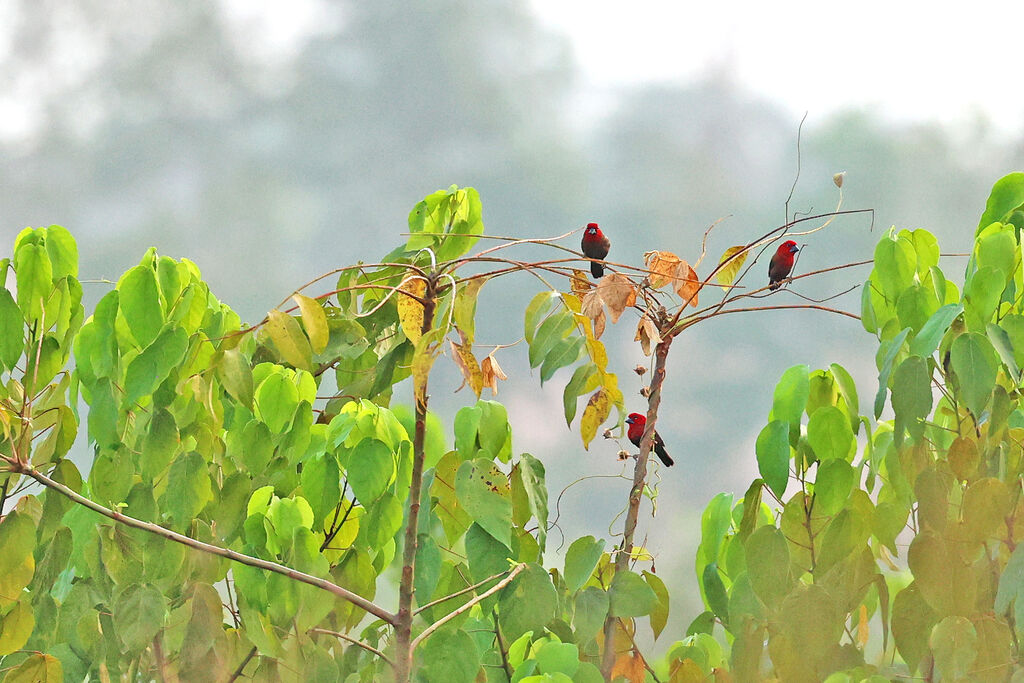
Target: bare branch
{"type": "Point", "coordinates": [355, 641]}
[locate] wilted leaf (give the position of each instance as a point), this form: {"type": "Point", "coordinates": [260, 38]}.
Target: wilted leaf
{"type": "Point", "coordinates": [647, 334]}
{"type": "Point", "coordinates": [733, 258]}
{"type": "Point", "coordinates": [663, 265]}
{"type": "Point", "coordinates": [630, 666]}
{"type": "Point", "coordinates": [837, 178]}
{"type": "Point", "coordinates": [463, 356]}
{"type": "Point", "coordinates": [410, 311]}
{"type": "Point", "coordinates": [492, 372]}
{"type": "Point", "coordinates": [465, 307]}
{"type": "Point", "coordinates": [593, 308]}
{"type": "Point", "coordinates": [580, 283]}
{"type": "Point", "coordinates": [687, 283]}
{"type": "Point", "coordinates": [618, 293]}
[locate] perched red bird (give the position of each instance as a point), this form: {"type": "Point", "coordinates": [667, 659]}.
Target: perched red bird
{"type": "Point", "coordinates": [595, 245]}
{"type": "Point", "coordinates": [636, 423]}
{"type": "Point", "coordinates": [781, 264]}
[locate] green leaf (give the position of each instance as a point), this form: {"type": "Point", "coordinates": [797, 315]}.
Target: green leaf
{"type": "Point", "coordinates": [561, 658]}
{"type": "Point", "coordinates": [12, 331]}
{"type": "Point", "coordinates": [1006, 197]}
{"type": "Point", "coordinates": [829, 433]}
{"type": "Point", "coordinates": [314, 320]}
{"type": "Point", "coordinates": [188, 489]}
{"type": "Point", "coordinates": [630, 596]}
{"type": "Point", "coordinates": [16, 627]}
{"type": "Point", "coordinates": [982, 292]}
{"type": "Point", "coordinates": [486, 555]}
{"type": "Point", "coordinates": [17, 564]}
{"type": "Point", "coordinates": [483, 491]}
{"type": "Point", "coordinates": [659, 616]}
{"type": "Point", "coordinates": [235, 373]}
{"type": "Point", "coordinates": [370, 468]}
{"type": "Point", "coordinates": [714, 591]}
{"type": "Point", "coordinates": [927, 339]}
{"type": "Point", "coordinates": [148, 369]}
{"type": "Point", "coordinates": [579, 384]}
{"type": "Point", "coordinates": [791, 394]}
{"type": "Point", "coordinates": [289, 340]}
{"type": "Point", "coordinates": [954, 643]}
{"type": "Point", "coordinates": [1002, 345]}
{"type": "Point", "coordinates": [450, 656]}
{"type": "Point", "coordinates": [833, 485]}
{"type": "Point", "coordinates": [465, 307]}
{"type": "Point", "coordinates": [1011, 589]}
{"type": "Point", "coordinates": [590, 610]}
{"type": "Point", "coordinates": [714, 525]}
{"type": "Point", "coordinates": [895, 265]}
{"type": "Point", "coordinates": [555, 328]}
{"type": "Point", "coordinates": [139, 614]}
{"type": "Point", "coordinates": [564, 353]}
{"type": "Point", "coordinates": [494, 432]}
{"type": "Point", "coordinates": [427, 568]}
{"type": "Point", "coordinates": [912, 394]}
{"type": "Point", "coordinates": [534, 482]}
{"type": "Point", "coordinates": [997, 247]}
{"type": "Point", "coordinates": [973, 360]}
{"type": "Point", "coordinates": [528, 603]}
{"type": "Point", "coordinates": [277, 397]}
{"type": "Point", "coordinates": [34, 278]}
{"type": "Point", "coordinates": [580, 561]}
{"type": "Point", "coordinates": [891, 349]}
{"type": "Point", "coordinates": [915, 306]}
{"type": "Point", "coordinates": [538, 306]}
{"type": "Point", "coordinates": [320, 477]}
{"type": "Point", "coordinates": [768, 564]}
{"type": "Point", "coordinates": [159, 445]}
{"type": "Point", "coordinates": [139, 302]}
{"type": "Point", "coordinates": [772, 450]}
{"type": "Point", "coordinates": [63, 252]}
{"type": "Point", "coordinates": [848, 389]}
{"type": "Point", "coordinates": [37, 668]}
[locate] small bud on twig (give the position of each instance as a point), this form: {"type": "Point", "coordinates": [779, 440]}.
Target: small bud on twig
{"type": "Point", "coordinates": [838, 178]}
{"type": "Point", "coordinates": [607, 434]}
{"type": "Point", "coordinates": [645, 392]}
{"type": "Point", "coordinates": [623, 455]}
{"type": "Point", "coordinates": [640, 370]}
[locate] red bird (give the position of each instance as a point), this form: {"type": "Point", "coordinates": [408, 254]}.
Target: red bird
{"type": "Point", "coordinates": [636, 423]}
{"type": "Point", "coordinates": [781, 264]}
{"type": "Point", "coordinates": [595, 245]}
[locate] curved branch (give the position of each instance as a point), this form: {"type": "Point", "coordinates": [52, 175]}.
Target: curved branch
{"type": "Point", "coordinates": [357, 600]}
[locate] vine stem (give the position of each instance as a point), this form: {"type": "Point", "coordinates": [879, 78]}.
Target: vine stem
{"type": "Point", "coordinates": [355, 641]}
{"type": "Point", "coordinates": [403, 623]}
{"type": "Point", "coordinates": [357, 600]}
{"type": "Point", "coordinates": [636, 492]}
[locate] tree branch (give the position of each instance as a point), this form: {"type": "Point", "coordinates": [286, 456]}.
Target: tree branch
{"type": "Point", "coordinates": [357, 600]}
{"type": "Point", "coordinates": [448, 617]}
{"type": "Point", "coordinates": [349, 639]}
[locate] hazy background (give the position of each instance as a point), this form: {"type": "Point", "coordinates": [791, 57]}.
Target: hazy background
{"type": "Point", "coordinates": [270, 142]}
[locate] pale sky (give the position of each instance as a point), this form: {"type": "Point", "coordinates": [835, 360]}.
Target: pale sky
{"type": "Point", "coordinates": [903, 60]}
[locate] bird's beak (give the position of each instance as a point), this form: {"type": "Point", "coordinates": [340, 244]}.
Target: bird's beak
{"type": "Point", "coordinates": [793, 249]}
{"type": "Point", "coordinates": [629, 420]}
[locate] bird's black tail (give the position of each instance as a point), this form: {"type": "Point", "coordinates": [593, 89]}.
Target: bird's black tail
{"type": "Point", "coordinates": [596, 269]}
{"type": "Point", "coordinates": [659, 450]}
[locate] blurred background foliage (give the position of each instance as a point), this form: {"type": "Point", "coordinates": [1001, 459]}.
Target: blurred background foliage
{"type": "Point", "coordinates": [269, 154]}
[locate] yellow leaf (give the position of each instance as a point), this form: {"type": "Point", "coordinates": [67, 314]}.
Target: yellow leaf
{"type": "Point", "coordinates": [291, 343]}
{"type": "Point", "coordinates": [687, 283]}
{"type": "Point", "coordinates": [594, 415]}
{"type": "Point", "coordinates": [423, 360]}
{"type": "Point", "coordinates": [862, 627]}
{"type": "Point", "coordinates": [579, 282]}
{"type": "Point", "coordinates": [465, 307]}
{"type": "Point", "coordinates": [314, 320]}
{"type": "Point", "coordinates": [735, 256]}
{"type": "Point", "coordinates": [618, 294]}
{"type": "Point", "coordinates": [686, 671]}
{"type": "Point", "coordinates": [492, 372]}
{"type": "Point", "coordinates": [662, 265]}
{"type": "Point", "coordinates": [410, 311]}
{"type": "Point", "coordinates": [594, 309]}
{"type": "Point", "coordinates": [463, 356]}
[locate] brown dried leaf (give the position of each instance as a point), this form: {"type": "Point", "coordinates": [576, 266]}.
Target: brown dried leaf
{"type": "Point", "coordinates": [579, 282]}
{"type": "Point", "coordinates": [630, 666]}
{"type": "Point", "coordinates": [687, 283]}
{"type": "Point", "coordinates": [593, 308]}
{"type": "Point", "coordinates": [463, 356]}
{"type": "Point", "coordinates": [648, 336]}
{"type": "Point", "coordinates": [492, 372]}
{"type": "Point", "coordinates": [618, 294]}
{"type": "Point", "coordinates": [662, 265]}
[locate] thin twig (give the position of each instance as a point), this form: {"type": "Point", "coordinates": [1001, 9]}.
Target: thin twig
{"type": "Point", "coordinates": [241, 667]}
{"type": "Point", "coordinates": [483, 596]}
{"type": "Point", "coordinates": [461, 592]}
{"type": "Point", "coordinates": [355, 641]}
